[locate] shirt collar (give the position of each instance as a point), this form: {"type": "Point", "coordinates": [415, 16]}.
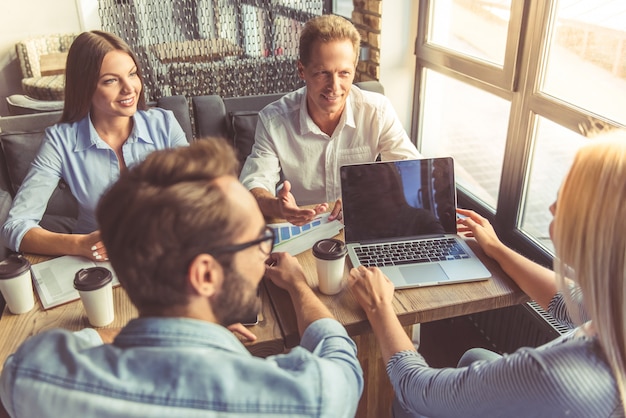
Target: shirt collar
{"type": "Point", "coordinates": [178, 332]}
{"type": "Point", "coordinates": [307, 125]}
{"type": "Point", "coordinates": [88, 137]}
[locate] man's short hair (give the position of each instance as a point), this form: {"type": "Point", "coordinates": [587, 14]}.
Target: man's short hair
{"type": "Point", "coordinates": [327, 28]}
{"type": "Point", "coordinates": [161, 214]}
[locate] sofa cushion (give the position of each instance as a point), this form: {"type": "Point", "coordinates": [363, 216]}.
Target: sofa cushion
{"type": "Point", "coordinates": [20, 149]}
{"type": "Point", "coordinates": [209, 116]}
{"type": "Point", "coordinates": [244, 126]}
{"type": "Point", "coordinates": [179, 105]}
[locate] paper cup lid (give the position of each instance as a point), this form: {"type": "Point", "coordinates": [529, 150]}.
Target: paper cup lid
{"type": "Point", "coordinates": [13, 265]}
{"type": "Point", "coordinates": [329, 249]}
{"type": "Point", "coordinates": [92, 278]}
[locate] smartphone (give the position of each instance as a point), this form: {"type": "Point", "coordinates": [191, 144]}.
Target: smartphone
{"type": "Point", "coordinates": [253, 320]}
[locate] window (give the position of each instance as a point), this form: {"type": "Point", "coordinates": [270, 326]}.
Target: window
{"type": "Point", "coordinates": [503, 86]}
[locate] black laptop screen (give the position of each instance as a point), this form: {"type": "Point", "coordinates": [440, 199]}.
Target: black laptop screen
{"type": "Point", "coordinates": [398, 199]}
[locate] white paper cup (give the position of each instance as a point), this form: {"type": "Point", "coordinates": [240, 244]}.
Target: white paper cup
{"type": "Point", "coordinates": [16, 284]}
{"type": "Point", "coordinates": [95, 288]}
{"type": "Point", "coordinates": [330, 261]}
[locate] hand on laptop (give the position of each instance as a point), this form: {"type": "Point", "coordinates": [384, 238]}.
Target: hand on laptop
{"type": "Point", "coordinates": [475, 226]}
{"type": "Point", "coordinates": [291, 212]}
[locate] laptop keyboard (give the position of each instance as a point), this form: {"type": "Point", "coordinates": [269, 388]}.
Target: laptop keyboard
{"type": "Point", "coordinates": [398, 253]}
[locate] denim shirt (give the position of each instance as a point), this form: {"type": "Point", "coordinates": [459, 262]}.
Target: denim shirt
{"type": "Point", "coordinates": [177, 367]}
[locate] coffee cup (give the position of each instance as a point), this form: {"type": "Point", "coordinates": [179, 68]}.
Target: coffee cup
{"type": "Point", "coordinates": [330, 260]}
{"type": "Point", "coordinates": [95, 287]}
{"type": "Point", "coordinates": [16, 284]}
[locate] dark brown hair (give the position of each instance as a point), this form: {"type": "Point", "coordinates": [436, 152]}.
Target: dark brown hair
{"type": "Point", "coordinates": [161, 214]}
{"type": "Point", "coordinates": [82, 71]}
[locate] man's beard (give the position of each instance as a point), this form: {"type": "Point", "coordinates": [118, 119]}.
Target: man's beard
{"type": "Point", "coordinates": [237, 301]}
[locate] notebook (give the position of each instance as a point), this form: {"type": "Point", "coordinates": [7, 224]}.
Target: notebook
{"type": "Point", "coordinates": [401, 217]}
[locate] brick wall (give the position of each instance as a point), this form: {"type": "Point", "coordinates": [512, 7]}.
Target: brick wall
{"type": "Point", "coordinates": [367, 17]}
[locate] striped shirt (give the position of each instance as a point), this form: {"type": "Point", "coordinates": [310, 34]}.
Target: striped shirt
{"type": "Point", "coordinates": [568, 376]}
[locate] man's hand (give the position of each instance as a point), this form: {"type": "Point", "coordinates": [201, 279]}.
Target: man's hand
{"type": "Point", "coordinates": [291, 212]}
{"type": "Point", "coordinates": [108, 334]}
{"type": "Point", "coordinates": [241, 329]}
{"type": "Point", "coordinates": [285, 271]}
{"type": "Point", "coordinates": [336, 212]}
{"type": "Point", "coordinates": [371, 288]}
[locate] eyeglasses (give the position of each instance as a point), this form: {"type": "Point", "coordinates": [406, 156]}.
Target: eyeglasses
{"type": "Point", "coordinates": [265, 243]}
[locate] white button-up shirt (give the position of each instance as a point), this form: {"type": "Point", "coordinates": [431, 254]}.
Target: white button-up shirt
{"type": "Point", "coordinates": [290, 146]}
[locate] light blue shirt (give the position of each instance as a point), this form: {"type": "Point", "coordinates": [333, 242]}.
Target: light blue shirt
{"type": "Point", "coordinates": [175, 367]}
{"type": "Point", "coordinates": [75, 153]}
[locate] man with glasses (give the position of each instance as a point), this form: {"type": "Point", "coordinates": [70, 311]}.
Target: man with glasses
{"type": "Point", "coordinates": [190, 247]}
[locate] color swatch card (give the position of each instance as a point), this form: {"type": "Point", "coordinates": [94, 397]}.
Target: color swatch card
{"type": "Point", "coordinates": [294, 239]}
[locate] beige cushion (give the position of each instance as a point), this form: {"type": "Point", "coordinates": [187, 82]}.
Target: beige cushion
{"type": "Point", "coordinates": [49, 87]}
{"type": "Point", "coordinates": [53, 63]}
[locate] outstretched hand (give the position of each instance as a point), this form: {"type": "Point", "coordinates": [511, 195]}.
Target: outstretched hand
{"type": "Point", "coordinates": [290, 211]}
{"type": "Point", "coordinates": [475, 226]}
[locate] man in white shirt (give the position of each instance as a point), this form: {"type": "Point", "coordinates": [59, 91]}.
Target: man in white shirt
{"type": "Point", "coordinates": [309, 133]}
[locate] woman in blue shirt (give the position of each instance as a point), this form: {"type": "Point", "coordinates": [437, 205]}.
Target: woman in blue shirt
{"type": "Point", "coordinates": [104, 129]}
{"type": "Point", "coordinates": [580, 374]}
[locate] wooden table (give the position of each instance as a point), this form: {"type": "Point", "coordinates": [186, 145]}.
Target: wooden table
{"type": "Point", "coordinates": [411, 305]}
{"type": "Point", "coordinates": [14, 329]}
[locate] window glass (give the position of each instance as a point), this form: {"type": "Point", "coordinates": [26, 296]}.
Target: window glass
{"type": "Point", "coordinates": [586, 60]}
{"type": "Point", "coordinates": [343, 8]}
{"type": "Point", "coordinates": [554, 150]}
{"type": "Point", "coordinates": [474, 27]}
{"type": "Point", "coordinates": [470, 125]}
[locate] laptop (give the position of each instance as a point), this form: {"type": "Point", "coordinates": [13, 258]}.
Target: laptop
{"type": "Point", "coordinates": [401, 217]}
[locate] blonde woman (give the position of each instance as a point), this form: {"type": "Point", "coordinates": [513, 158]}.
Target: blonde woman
{"type": "Point", "coordinates": [581, 374]}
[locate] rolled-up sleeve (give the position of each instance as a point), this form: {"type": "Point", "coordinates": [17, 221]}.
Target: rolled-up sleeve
{"type": "Point", "coordinates": [262, 167]}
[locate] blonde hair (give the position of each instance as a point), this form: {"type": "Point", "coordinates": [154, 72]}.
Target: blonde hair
{"type": "Point", "coordinates": [590, 241]}
{"type": "Point", "coordinates": [327, 28]}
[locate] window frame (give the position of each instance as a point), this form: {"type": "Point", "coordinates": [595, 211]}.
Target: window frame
{"type": "Point", "coordinates": [519, 82]}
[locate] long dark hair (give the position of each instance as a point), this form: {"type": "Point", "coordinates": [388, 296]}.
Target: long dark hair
{"type": "Point", "coordinates": [82, 71]}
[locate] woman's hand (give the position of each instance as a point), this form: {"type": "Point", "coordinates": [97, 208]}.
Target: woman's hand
{"type": "Point", "coordinates": [92, 248]}
{"type": "Point", "coordinates": [475, 226]}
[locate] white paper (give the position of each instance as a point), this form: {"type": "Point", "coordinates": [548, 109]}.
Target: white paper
{"type": "Point", "coordinates": [296, 239]}
{"type": "Point", "coordinates": [54, 279]}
